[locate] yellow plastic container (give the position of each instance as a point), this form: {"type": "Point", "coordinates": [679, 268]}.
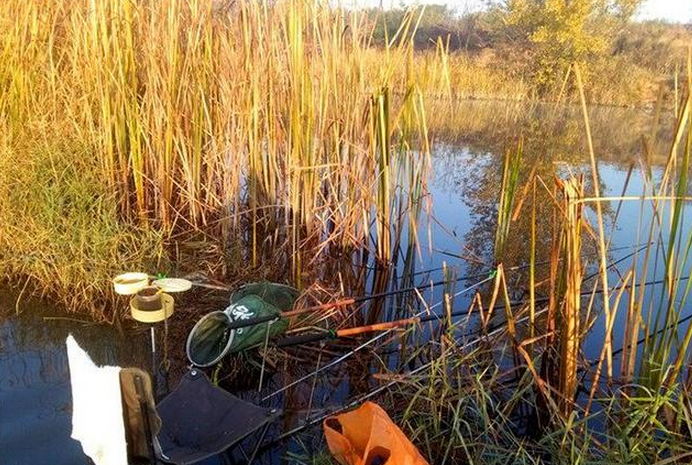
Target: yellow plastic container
{"type": "Point", "coordinates": [153, 316]}
{"type": "Point", "coordinates": [130, 283]}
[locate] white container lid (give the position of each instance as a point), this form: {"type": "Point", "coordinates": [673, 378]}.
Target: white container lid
{"type": "Point", "coordinates": [130, 283]}
{"type": "Point", "coordinates": [173, 284]}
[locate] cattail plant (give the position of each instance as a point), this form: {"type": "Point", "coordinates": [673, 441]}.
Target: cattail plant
{"type": "Point", "coordinates": [217, 123]}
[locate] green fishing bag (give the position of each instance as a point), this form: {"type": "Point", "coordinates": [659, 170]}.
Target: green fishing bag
{"type": "Point", "coordinates": [258, 300]}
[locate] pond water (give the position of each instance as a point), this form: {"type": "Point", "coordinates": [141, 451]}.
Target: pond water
{"type": "Point", "coordinates": [35, 402]}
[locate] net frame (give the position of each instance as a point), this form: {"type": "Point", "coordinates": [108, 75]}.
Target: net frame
{"type": "Point", "coordinates": [225, 315]}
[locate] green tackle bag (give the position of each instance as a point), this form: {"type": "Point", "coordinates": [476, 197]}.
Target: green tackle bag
{"type": "Point", "coordinates": [257, 300]}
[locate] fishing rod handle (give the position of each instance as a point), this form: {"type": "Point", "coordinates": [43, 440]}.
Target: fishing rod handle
{"type": "Point", "coordinates": [376, 327]}
{"type": "Point", "coordinates": [327, 306]}
{"type": "Point", "coordinates": [264, 319]}
{"type": "Point", "coordinates": [304, 339]}
{"type": "Point", "coordinates": [235, 324]}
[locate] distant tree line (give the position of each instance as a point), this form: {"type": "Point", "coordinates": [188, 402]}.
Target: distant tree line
{"type": "Point", "coordinates": [542, 38]}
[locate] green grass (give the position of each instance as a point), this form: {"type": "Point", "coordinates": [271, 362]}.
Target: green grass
{"type": "Point", "coordinates": [61, 232]}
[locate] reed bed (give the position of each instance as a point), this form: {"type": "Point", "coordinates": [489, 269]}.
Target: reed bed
{"type": "Point", "coordinates": [524, 385]}
{"type": "Point", "coordinates": [242, 126]}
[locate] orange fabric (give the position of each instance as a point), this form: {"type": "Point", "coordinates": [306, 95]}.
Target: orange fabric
{"type": "Point", "coordinates": [367, 436]}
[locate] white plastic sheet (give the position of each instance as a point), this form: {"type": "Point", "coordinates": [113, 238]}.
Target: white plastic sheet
{"type": "Point", "coordinates": [97, 412]}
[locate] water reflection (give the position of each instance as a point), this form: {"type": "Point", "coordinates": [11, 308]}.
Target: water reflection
{"type": "Point", "coordinates": [467, 167]}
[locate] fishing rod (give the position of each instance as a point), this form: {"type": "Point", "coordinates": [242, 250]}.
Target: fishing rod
{"type": "Point", "coordinates": [647, 336]}
{"type": "Point", "coordinates": [399, 323]}
{"type": "Point", "coordinates": [357, 330]}
{"type": "Point", "coordinates": [336, 334]}
{"type": "Point", "coordinates": [385, 333]}
{"type": "Point", "coordinates": [370, 394]}
{"type": "Point", "coordinates": [367, 343]}
{"type": "Point", "coordinates": [187, 282]}
{"type": "Point", "coordinates": [376, 391]}
{"type": "Point", "coordinates": [213, 336]}
{"type": "Point", "coordinates": [349, 301]}
{"type": "Point", "coordinates": [237, 324]}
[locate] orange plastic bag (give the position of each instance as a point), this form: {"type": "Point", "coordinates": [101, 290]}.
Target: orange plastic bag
{"type": "Point", "coordinates": [367, 436]}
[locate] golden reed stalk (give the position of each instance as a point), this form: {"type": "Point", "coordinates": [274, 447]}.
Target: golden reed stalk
{"type": "Point", "coordinates": [200, 112]}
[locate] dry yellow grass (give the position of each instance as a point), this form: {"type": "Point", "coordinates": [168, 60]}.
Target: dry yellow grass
{"type": "Point", "coordinates": [197, 117]}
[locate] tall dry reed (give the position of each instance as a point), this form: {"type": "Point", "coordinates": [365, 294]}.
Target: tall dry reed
{"type": "Point", "coordinates": [238, 121]}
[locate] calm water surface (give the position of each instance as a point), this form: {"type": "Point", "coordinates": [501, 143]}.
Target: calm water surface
{"type": "Point", "coordinates": [35, 402]}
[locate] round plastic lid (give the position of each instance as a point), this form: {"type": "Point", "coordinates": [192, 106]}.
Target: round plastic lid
{"type": "Point", "coordinates": [173, 284]}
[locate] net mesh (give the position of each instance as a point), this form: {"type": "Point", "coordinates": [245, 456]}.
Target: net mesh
{"type": "Point", "coordinates": [209, 339]}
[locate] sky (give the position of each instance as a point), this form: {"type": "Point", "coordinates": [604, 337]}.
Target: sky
{"type": "Point", "coordinates": [669, 10]}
